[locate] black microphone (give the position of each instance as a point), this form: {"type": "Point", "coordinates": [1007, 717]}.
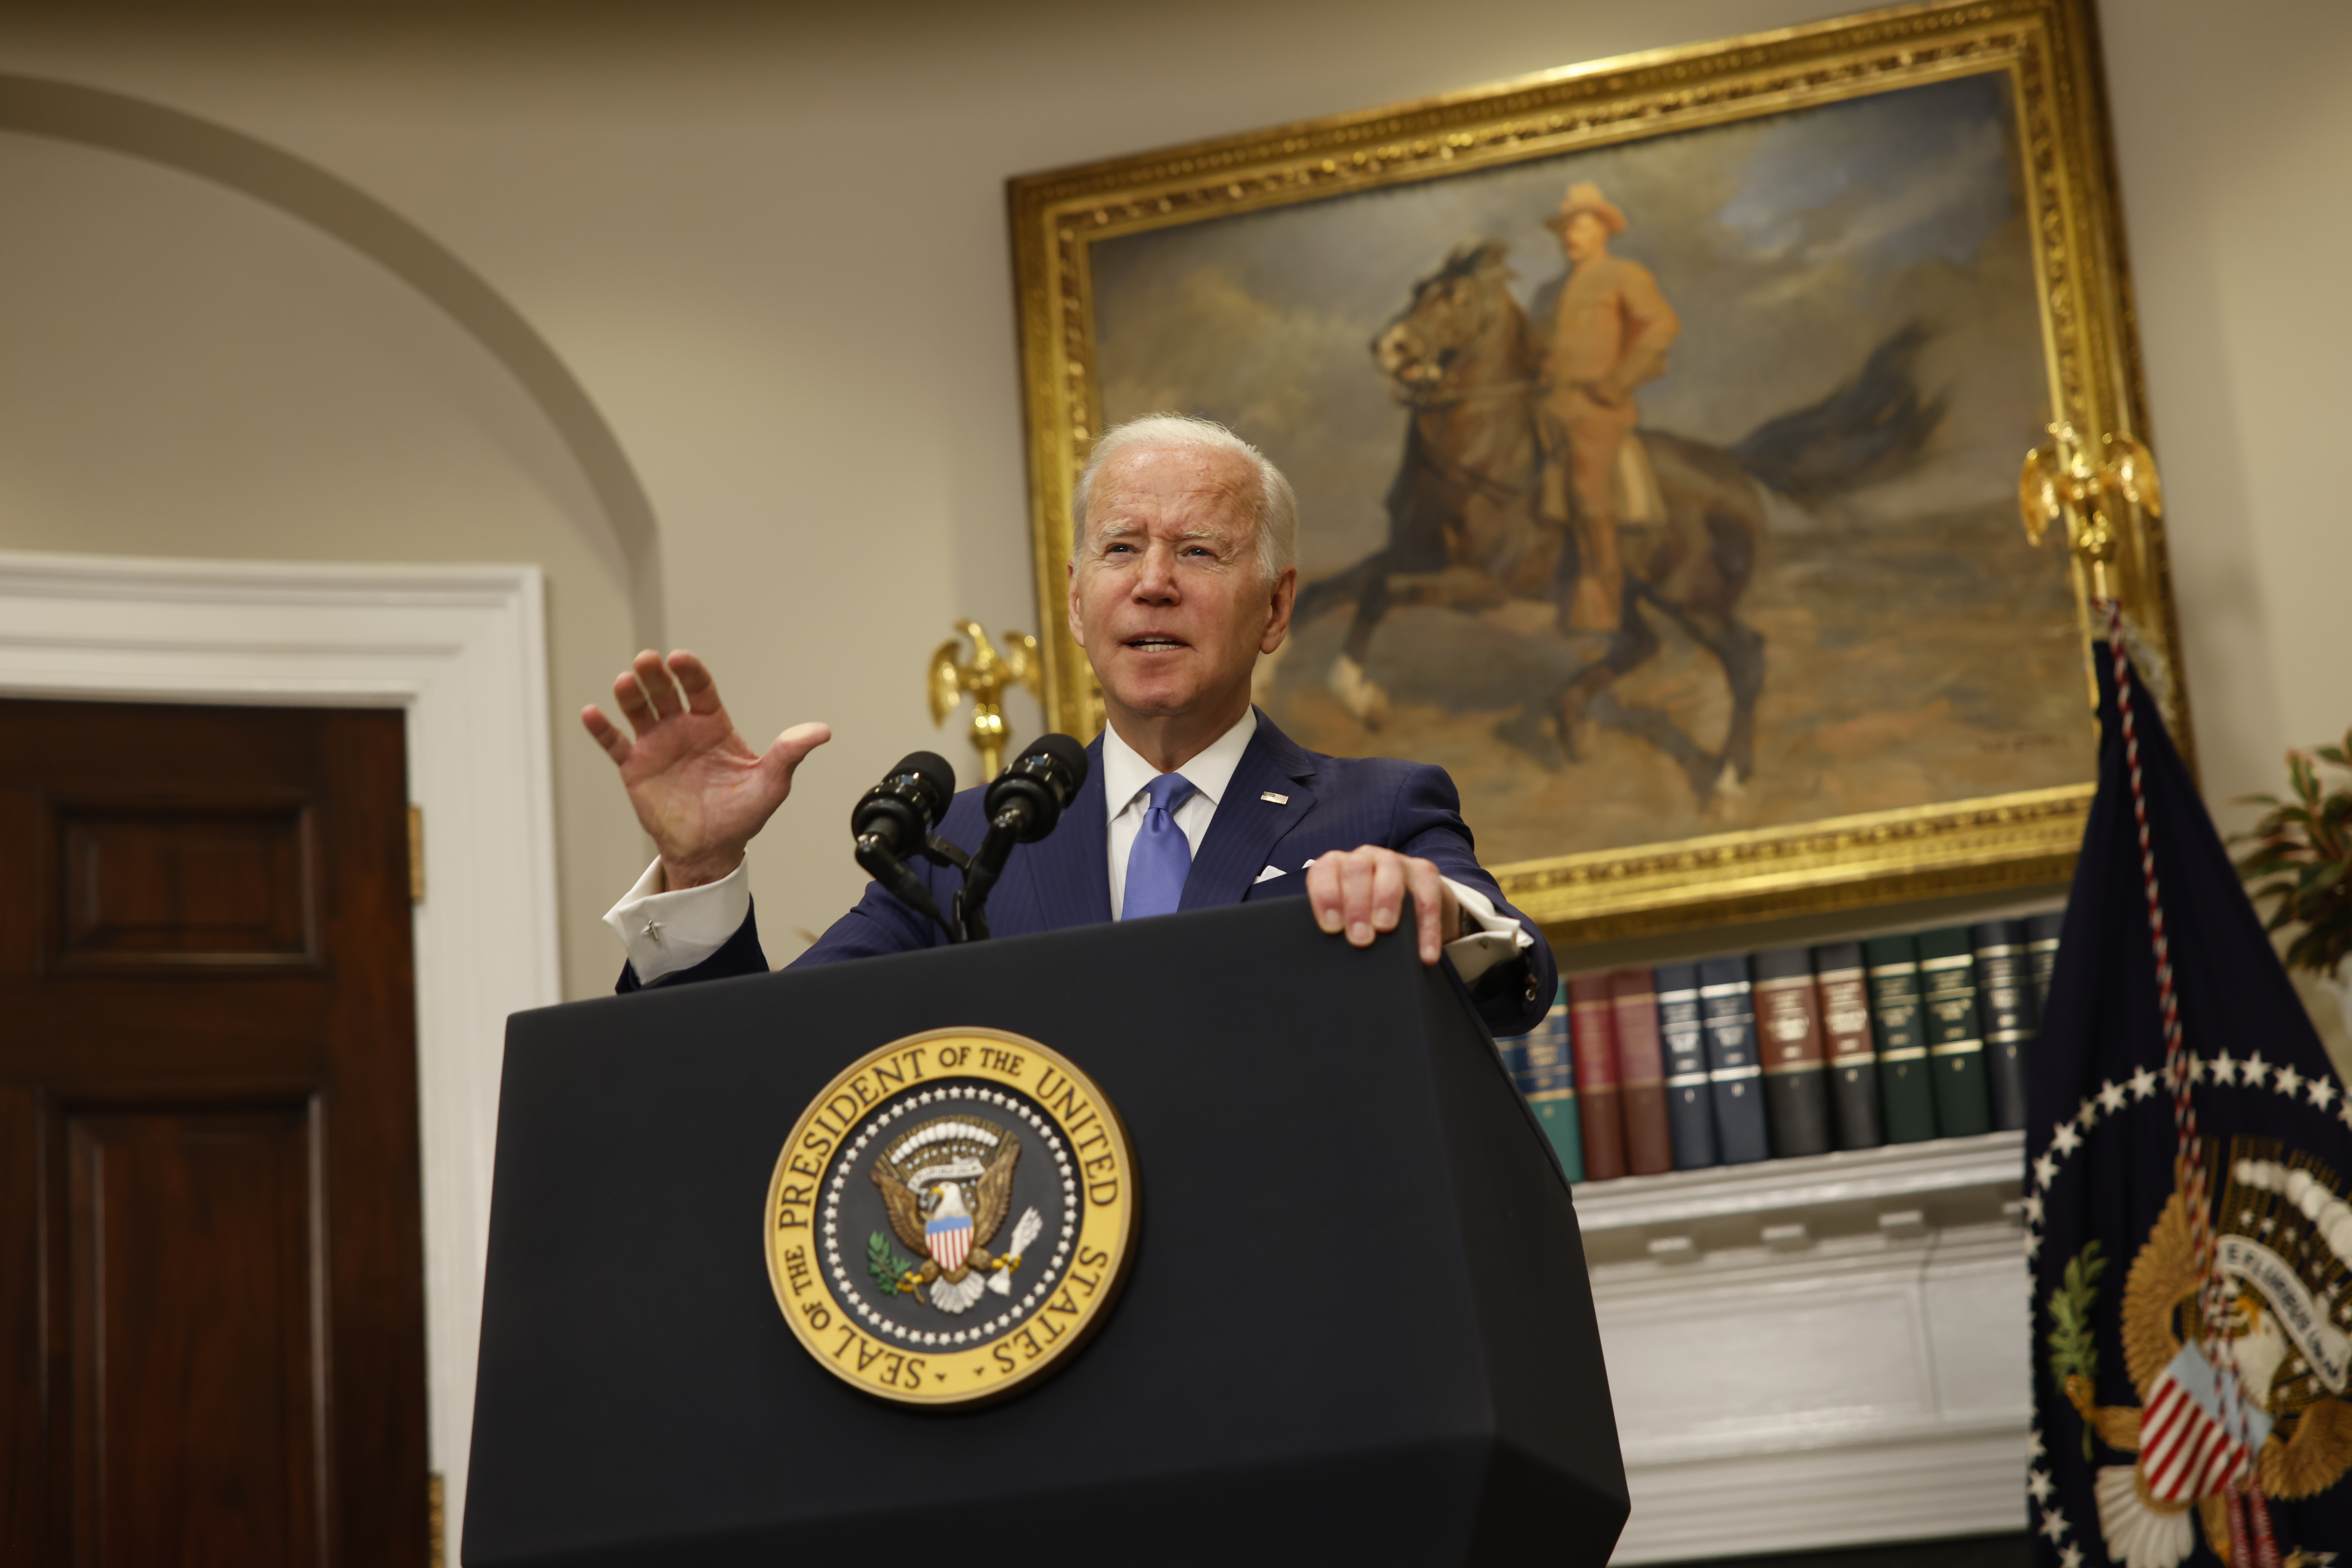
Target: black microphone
{"type": "Point", "coordinates": [894, 820]}
{"type": "Point", "coordinates": [1027, 797]}
{"type": "Point", "coordinates": [900, 812]}
{"type": "Point", "coordinates": [1022, 804]}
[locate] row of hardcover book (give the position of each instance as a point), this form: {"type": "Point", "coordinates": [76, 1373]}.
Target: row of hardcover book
{"type": "Point", "coordinates": [1789, 1051]}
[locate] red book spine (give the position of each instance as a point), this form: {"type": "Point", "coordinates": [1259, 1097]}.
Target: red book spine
{"type": "Point", "coordinates": [1640, 1072]}
{"type": "Point", "coordinates": [1591, 1026]}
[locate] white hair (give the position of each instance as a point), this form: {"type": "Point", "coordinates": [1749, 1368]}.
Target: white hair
{"type": "Point", "coordinates": [1276, 518]}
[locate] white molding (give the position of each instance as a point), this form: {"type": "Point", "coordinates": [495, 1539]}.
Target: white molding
{"type": "Point", "coordinates": [1890, 1490]}
{"type": "Point", "coordinates": [1866, 1381]}
{"type": "Point", "coordinates": [1768, 1187]}
{"type": "Point", "coordinates": [462, 650]}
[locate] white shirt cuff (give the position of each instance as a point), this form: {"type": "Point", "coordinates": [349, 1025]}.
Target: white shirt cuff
{"type": "Point", "coordinates": [665, 932]}
{"type": "Point", "coordinates": [1502, 937]}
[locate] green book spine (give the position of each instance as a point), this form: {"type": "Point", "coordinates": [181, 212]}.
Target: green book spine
{"type": "Point", "coordinates": [1903, 1089]}
{"type": "Point", "coordinates": [2005, 1008]}
{"type": "Point", "coordinates": [1558, 1115]}
{"type": "Point", "coordinates": [1955, 1058]}
{"type": "Point", "coordinates": [2042, 932]}
{"type": "Point", "coordinates": [1548, 1078]}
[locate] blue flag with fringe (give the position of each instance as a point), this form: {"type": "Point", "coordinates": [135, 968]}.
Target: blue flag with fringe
{"type": "Point", "coordinates": [2192, 1296]}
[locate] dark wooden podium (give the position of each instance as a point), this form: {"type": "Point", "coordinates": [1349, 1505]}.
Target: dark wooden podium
{"type": "Point", "coordinates": [1357, 1329]}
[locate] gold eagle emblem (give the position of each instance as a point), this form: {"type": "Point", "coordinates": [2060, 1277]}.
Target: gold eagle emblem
{"type": "Point", "coordinates": [2283, 1334]}
{"type": "Point", "coordinates": [947, 1187]}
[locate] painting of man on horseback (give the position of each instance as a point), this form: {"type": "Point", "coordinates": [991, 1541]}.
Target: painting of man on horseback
{"type": "Point", "coordinates": [1496, 445]}
{"type": "Point", "coordinates": [1707, 525]}
{"type": "Point", "coordinates": [1604, 328]}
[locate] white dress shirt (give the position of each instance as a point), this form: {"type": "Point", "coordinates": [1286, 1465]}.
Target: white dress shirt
{"type": "Point", "coordinates": [667, 931]}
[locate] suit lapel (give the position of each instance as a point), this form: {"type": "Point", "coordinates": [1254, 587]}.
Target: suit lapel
{"type": "Point", "coordinates": [1247, 825]}
{"type": "Point", "coordinates": [1068, 869]}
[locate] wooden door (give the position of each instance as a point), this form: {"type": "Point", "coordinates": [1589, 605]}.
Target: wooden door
{"type": "Point", "coordinates": [212, 1345]}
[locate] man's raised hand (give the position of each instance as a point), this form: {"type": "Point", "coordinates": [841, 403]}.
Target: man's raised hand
{"type": "Point", "coordinates": [698, 788]}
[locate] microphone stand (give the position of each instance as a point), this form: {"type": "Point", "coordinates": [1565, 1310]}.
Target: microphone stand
{"type": "Point", "coordinates": [893, 873]}
{"type": "Point", "coordinates": [970, 920]}
{"type": "Point", "coordinates": [1024, 803]}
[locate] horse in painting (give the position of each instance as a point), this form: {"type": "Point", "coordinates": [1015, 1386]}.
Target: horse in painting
{"type": "Point", "coordinates": [1466, 529]}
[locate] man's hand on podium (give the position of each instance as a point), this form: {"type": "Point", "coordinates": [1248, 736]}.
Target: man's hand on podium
{"type": "Point", "coordinates": [699, 789]}
{"type": "Point", "coordinates": [1362, 892]}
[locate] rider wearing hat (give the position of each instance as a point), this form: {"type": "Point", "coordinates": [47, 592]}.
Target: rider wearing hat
{"type": "Point", "coordinates": [1605, 327]}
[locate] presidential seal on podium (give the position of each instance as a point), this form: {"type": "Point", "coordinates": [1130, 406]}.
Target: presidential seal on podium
{"type": "Point", "coordinates": [951, 1217]}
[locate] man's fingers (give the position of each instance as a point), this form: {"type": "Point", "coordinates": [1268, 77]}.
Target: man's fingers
{"type": "Point", "coordinates": [1356, 875]}
{"type": "Point", "coordinates": [694, 679]}
{"type": "Point", "coordinates": [1363, 893]}
{"type": "Point", "coordinates": [601, 731]}
{"type": "Point", "coordinates": [659, 689]}
{"type": "Point", "coordinates": [632, 699]}
{"type": "Point", "coordinates": [1428, 902]}
{"type": "Point", "coordinates": [1323, 892]}
{"type": "Point", "coordinates": [1388, 890]}
{"type": "Point", "coordinates": [790, 748]}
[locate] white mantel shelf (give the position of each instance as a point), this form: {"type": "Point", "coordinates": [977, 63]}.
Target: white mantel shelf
{"type": "Point", "coordinates": [1943, 1165]}
{"type": "Point", "coordinates": [1817, 1352]}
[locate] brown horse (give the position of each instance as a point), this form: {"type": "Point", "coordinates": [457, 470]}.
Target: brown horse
{"type": "Point", "coordinates": [1466, 529]}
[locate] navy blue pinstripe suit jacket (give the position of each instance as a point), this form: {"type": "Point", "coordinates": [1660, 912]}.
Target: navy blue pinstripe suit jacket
{"type": "Point", "coordinates": [1334, 803]}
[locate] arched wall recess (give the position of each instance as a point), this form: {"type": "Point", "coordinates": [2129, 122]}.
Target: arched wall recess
{"type": "Point", "coordinates": [67, 112]}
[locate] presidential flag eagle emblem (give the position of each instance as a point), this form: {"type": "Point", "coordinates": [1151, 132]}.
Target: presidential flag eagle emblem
{"type": "Point", "coordinates": [951, 1217]}
{"type": "Point", "coordinates": [2185, 1131]}
{"type": "Point", "coordinates": [2284, 1249]}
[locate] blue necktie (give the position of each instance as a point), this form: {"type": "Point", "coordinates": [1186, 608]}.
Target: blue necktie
{"type": "Point", "coordinates": [1161, 858]}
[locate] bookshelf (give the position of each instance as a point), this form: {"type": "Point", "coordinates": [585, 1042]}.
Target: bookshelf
{"type": "Point", "coordinates": [1822, 1350]}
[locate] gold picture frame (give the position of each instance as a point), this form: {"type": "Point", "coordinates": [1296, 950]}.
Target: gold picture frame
{"type": "Point", "coordinates": [2045, 56]}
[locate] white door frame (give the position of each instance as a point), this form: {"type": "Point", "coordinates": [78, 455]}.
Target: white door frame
{"type": "Point", "coordinates": [462, 651]}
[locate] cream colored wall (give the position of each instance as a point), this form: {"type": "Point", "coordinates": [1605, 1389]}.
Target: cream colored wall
{"type": "Point", "coordinates": [770, 242]}
{"type": "Point", "coordinates": [2231, 129]}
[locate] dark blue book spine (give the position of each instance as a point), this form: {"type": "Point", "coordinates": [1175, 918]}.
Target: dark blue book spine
{"type": "Point", "coordinates": [1727, 1013]}
{"type": "Point", "coordinates": [1543, 1064]}
{"type": "Point", "coordinates": [1690, 1094]}
{"type": "Point", "coordinates": [1513, 1049]}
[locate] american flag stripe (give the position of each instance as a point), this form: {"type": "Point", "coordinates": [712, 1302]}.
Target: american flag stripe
{"type": "Point", "coordinates": [2162, 1426]}
{"type": "Point", "coordinates": [2185, 1477]}
{"type": "Point", "coordinates": [951, 1243]}
{"type": "Point", "coordinates": [2179, 1478]}
{"type": "Point", "coordinates": [2184, 1452]}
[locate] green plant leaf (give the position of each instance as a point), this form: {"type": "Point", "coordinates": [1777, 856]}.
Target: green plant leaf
{"type": "Point", "coordinates": [2298, 860]}
{"type": "Point", "coordinates": [2304, 776]}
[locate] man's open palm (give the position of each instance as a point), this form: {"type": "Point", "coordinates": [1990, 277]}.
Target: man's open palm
{"type": "Point", "coordinates": [697, 787]}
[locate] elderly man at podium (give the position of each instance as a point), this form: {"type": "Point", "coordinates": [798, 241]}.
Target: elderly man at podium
{"type": "Point", "coordinates": [1182, 577]}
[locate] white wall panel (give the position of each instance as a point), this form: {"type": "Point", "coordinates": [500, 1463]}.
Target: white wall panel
{"type": "Point", "coordinates": [1863, 1379]}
